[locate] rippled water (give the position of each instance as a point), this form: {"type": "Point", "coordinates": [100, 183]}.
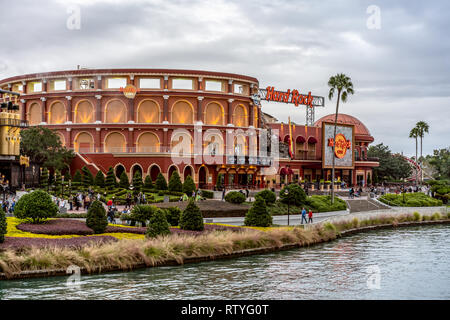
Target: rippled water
{"type": "Point", "coordinates": [414, 263]}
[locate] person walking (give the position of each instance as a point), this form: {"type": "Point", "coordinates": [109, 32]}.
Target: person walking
{"type": "Point", "coordinates": [223, 194]}
{"type": "Point", "coordinates": [304, 216]}
{"type": "Point", "coordinates": [310, 216]}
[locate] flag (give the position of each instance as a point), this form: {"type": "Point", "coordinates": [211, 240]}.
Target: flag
{"type": "Point", "coordinates": [306, 136]}
{"type": "Point", "coordinates": [291, 151]}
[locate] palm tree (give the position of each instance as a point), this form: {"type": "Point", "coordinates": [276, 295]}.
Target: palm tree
{"type": "Point", "coordinates": [344, 86]}
{"type": "Point", "coordinates": [422, 128]}
{"type": "Point", "coordinates": [414, 133]}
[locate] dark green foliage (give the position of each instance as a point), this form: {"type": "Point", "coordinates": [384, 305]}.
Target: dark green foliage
{"type": "Point", "coordinates": [36, 206]}
{"type": "Point", "coordinates": [191, 218]}
{"type": "Point", "coordinates": [323, 204]}
{"type": "Point", "coordinates": [258, 215]}
{"type": "Point", "coordinates": [88, 178]}
{"type": "Point", "coordinates": [188, 186]}
{"type": "Point", "coordinates": [137, 181]}
{"type": "Point", "coordinates": [44, 178]}
{"type": "Point", "coordinates": [161, 183]}
{"type": "Point", "coordinates": [110, 182]}
{"type": "Point", "coordinates": [158, 225]}
{"type": "Point", "coordinates": [173, 215]}
{"type": "Point", "coordinates": [392, 167]}
{"type": "Point", "coordinates": [77, 177]}
{"type": "Point", "coordinates": [219, 182]}
{"type": "Point", "coordinates": [296, 196]}
{"type": "Point", "coordinates": [235, 197]}
{"type": "Point", "coordinates": [148, 184]}
{"type": "Point", "coordinates": [99, 180]}
{"type": "Point", "coordinates": [3, 225]}
{"type": "Point", "coordinates": [67, 176]}
{"type": "Point", "coordinates": [207, 194]}
{"type": "Point", "coordinates": [411, 200]}
{"type": "Point", "coordinates": [175, 182]}
{"type": "Point", "coordinates": [96, 217]}
{"type": "Point", "coordinates": [268, 196]}
{"type": "Point", "coordinates": [123, 181]}
{"type": "Point", "coordinates": [58, 182]}
{"type": "Point", "coordinates": [142, 213]}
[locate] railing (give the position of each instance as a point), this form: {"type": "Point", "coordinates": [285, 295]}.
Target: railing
{"type": "Point", "coordinates": [13, 122]}
{"type": "Point", "coordinates": [305, 155]}
{"type": "Point", "coordinates": [375, 159]}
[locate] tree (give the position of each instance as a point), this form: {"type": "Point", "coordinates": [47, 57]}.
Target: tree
{"type": "Point", "coordinates": [440, 161]}
{"type": "Point", "coordinates": [58, 182]}
{"type": "Point", "coordinates": [110, 181]}
{"type": "Point", "coordinates": [161, 183]}
{"type": "Point", "coordinates": [391, 166]}
{"type": "Point", "coordinates": [88, 178]}
{"type": "Point", "coordinates": [158, 225]}
{"type": "Point", "coordinates": [123, 181]}
{"type": "Point", "coordinates": [191, 218]}
{"type": "Point", "coordinates": [422, 128]}
{"type": "Point", "coordinates": [3, 225]}
{"type": "Point", "coordinates": [258, 215]}
{"type": "Point", "coordinates": [36, 206]}
{"type": "Point", "coordinates": [295, 195]}
{"type": "Point", "coordinates": [137, 181]}
{"type": "Point", "coordinates": [148, 184]}
{"type": "Point", "coordinates": [77, 177]}
{"type": "Point", "coordinates": [44, 179]}
{"type": "Point", "coordinates": [175, 182]}
{"type": "Point", "coordinates": [43, 146]}
{"type": "Point", "coordinates": [269, 196]}
{"type": "Point", "coordinates": [344, 87]}
{"type": "Point", "coordinates": [99, 180]}
{"type": "Point", "coordinates": [188, 186]}
{"type": "Point", "coordinates": [219, 182]}
{"type": "Point", "coordinates": [414, 133]}
{"type": "Point", "coordinates": [96, 217]}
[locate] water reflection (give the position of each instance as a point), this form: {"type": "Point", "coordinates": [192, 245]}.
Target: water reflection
{"type": "Point", "coordinates": [414, 264]}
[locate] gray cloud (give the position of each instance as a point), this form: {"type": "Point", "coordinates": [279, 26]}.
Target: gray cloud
{"type": "Point", "coordinates": [400, 72]}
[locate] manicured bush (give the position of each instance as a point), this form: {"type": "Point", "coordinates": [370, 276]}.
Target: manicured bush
{"type": "Point", "coordinates": [110, 182]}
{"type": "Point", "coordinates": [158, 225]}
{"type": "Point", "coordinates": [76, 181]}
{"type": "Point", "coordinates": [99, 180]}
{"type": "Point", "coordinates": [44, 178]}
{"type": "Point", "coordinates": [207, 194]}
{"type": "Point", "coordinates": [191, 218]}
{"type": "Point", "coordinates": [3, 225]}
{"type": "Point", "coordinates": [173, 215]}
{"type": "Point", "coordinates": [137, 181]}
{"type": "Point", "coordinates": [175, 182]}
{"type": "Point", "coordinates": [36, 206]}
{"type": "Point", "coordinates": [142, 213]}
{"type": "Point", "coordinates": [88, 178]}
{"type": "Point", "coordinates": [161, 183]}
{"type": "Point", "coordinates": [323, 204]}
{"type": "Point", "coordinates": [148, 183]}
{"type": "Point", "coordinates": [268, 196]}
{"type": "Point", "coordinates": [235, 197]}
{"type": "Point", "coordinates": [258, 215]}
{"type": "Point", "coordinates": [416, 199]}
{"type": "Point", "coordinates": [219, 182]}
{"type": "Point", "coordinates": [96, 217]}
{"type": "Point", "coordinates": [123, 181]}
{"type": "Point", "coordinates": [296, 195]}
{"type": "Point", "coordinates": [188, 186]}
{"type": "Point", "coordinates": [58, 182]}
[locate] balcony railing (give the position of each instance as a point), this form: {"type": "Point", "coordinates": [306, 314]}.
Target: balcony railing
{"type": "Point", "coordinates": [374, 159]}
{"type": "Point", "coordinates": [305, 155]}
{"type": "Point", "coordinates": [13, 122]}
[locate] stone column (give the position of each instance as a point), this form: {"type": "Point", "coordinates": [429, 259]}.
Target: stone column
{"type": "Point", "coordinates": [24, 85]}
{"type": "Point", "coordinates": [69, 84]}
{"type": "Point", "coordinates": [44, 86]}
{"type": "Point", "coordinates": [251, 121]}
{"type": "Point", "coordinates": [200, 84]}
{"type": "Point", "coordinates": [130, 110]}
{"type": "Point", "coordinates": [166, 108]}
{"type": "Point", "coordinates": [44, 110]}
{"type": "Point", "coordinates": [69, 140]}
{"type": "Point", "coordinates": [200, 109]}
{"type": "Point", "coordinates": [132, 79]}
{"type": "Point", "coordinates": [230, 86]}
{"type": "Point", "coordinates": [99, 83]}
{"type": "Point", "coordinates": [69, 109]}
{"type": "Point", "coordinates": [24, 109]}
{"type": "Point", "coordinates": [130, 141]}
{"type": "Point", "coordinates": [98, 109]}
{"type": "Point", "coordinates": [165, 140]}
{"type": "Point", "coordinates": [166, 83]}
{"type": "Point", "coordinates": [230, 111]}
{"type": "Point", "coordinates": [98, 142]}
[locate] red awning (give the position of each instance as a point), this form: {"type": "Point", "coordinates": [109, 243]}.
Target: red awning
{"type": "Point", "coordinates": [300, 139]}
{"type": "Point", "coordinates": [312, 140]}
{"type": "Point", "coordinates": [286, 171]}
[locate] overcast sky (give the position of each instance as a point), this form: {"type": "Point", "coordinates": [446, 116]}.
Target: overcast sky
{"type": "Point", "coordinates": [400, 71]}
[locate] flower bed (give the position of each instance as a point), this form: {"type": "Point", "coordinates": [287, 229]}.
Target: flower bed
{"type": "Point", "coordinates": [76, 242]}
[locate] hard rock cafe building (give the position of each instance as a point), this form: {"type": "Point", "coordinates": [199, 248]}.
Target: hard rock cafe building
{"type": "Point", "coordinates": [134, 120]}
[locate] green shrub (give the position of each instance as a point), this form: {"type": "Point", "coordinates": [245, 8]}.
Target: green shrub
{"type": "Point", "coordinates": [258, 215]}
{"type": "Point", "coordinates": [173, 215]}
{"type": "Point", "coordinates": [188, 186]}
{"type": "Point", "coordinates": [161, 183]}
{"type": "Point", "coordinates": [96, 217]}
{"type": "Point", "coordinates": [137, 181]}
{"type": "Point", "coordinates": [268, 196]}
{"type": "Point", "coordinates": [191, 218]}
{"type": "Point", "coordinates": [436, 216]}
{"type": "Point", "coordinates": [235, 197]}
{"type": "Point", "coordinates": [175, 182]}
{"type": "Point", "coordinates": [417, 216]}
{"type": "Point", "coordinates": [148, 184]}
{"type": "Point", "coordinates": [123, 181]}
{"type": "Point", "coordinates": [3, 225]}
{"type": "Point", "coordinates": [323, 203]}
{"type": "Point", "coordinates": [110, 182]}
{"type": "Point", "coordinates": [158, 225]}
{"type": "Point", "coordinates": [88, 178]}
{"type": "Point", "coordinates": [142, 213]}
{"type": "Point", "coordinates": [36, 206]}
{"type": "Point", "coordinates": [44, 178]}
{"type": "Point", "coordinates": [99, 180]}
{"type": "Point", "coordinates": [207, 194]}
{"type": "Point", "coordinates": [296, 195]}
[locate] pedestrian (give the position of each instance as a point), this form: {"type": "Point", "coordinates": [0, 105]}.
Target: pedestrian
{"type": "Point", "coordinates": [310, 216]}
{"type": "Point", "coordinates": [304, 215]}
{"type": "Point", "coordinates": [246, 192]}
{"type": "Point", "coordinates": [223, 194]}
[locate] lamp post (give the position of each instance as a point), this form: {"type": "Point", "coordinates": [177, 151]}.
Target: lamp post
{"type": "Point", "coordinates": [286, 192]}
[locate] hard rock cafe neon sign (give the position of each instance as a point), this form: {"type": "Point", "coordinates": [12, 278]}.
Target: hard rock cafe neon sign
{"type": "Point", "coordinates": [289, 97]}
{"type": "Point", "coordinates": [129, 91]}
{"type": "Point", "coordinates": [341, 145]}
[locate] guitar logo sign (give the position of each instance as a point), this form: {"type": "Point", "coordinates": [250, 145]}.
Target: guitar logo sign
{"type": "Point", "coordinates": [341, 145]}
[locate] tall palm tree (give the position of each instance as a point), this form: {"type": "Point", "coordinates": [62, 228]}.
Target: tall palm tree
{"type": "Point", "coordinates": [344, 86]}
{"type": "Point", "coordinates": [422, 128]}
{"type": "Point", "coordinates": [414, 133]}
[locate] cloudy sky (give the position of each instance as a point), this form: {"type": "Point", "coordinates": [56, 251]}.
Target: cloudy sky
{"type": "Point", "coordinates": [399, 63]}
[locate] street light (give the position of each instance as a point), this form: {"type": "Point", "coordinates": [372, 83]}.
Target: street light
{"type": "Point", "coordinates": [286, 192]}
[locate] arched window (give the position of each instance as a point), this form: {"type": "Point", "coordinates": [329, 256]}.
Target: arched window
{"type": "Point", "coordinates": [240, 116]}
{"type": "Point", "coordinates": [214, 114]}
{"type": "Point", "coordinates": [57, 113]}
{"type": "Point", "coordinates": [84, 143]}
{"type": "Point", "coordinates": [147, 142]}
{"type": "Point", "coordinates": [35, 114]}
{"type": "Point", "coordinates": [84, 112]}
{"type": "Point", "coordinates": [115, 142]}
{"type": "Point", "coordinates": [115, 112]}
{"type": "Point", "coordinates": [148, 112]}
{"type": "Point", "coordinates": [182, 112]}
